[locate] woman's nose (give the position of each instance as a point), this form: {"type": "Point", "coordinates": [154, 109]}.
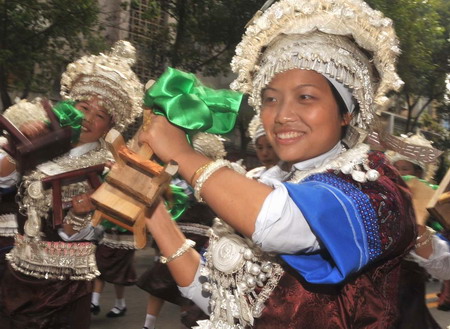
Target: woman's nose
{"type": "Point", "coordinates": [87, 117]}
{"type": "Point", "coordinates": [284, 112]}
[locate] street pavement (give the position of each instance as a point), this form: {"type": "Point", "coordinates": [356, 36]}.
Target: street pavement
{"type": "Point", "coordinates": [169, 318]}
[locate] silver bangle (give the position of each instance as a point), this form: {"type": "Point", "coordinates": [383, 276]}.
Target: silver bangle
{"type": "Point", "coordinates": [210, 169]}
{"type": "Point", "coordinates": [185, 247]}
{"type": "Point", "coordinates": [429, 232]}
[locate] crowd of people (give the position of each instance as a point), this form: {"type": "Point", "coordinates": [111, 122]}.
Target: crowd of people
{"type": "Point", "coordinates": [326, 233]}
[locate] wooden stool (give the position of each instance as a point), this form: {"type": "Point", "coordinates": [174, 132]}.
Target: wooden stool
{"type": "Point", "coordinates": [439, 205]}
{"type": "Point", "coordinates": [133, 184]}
{"type": "Point", "coordinates": [28, 154]}
{"type": "Point", "coordinates": [91, 174]}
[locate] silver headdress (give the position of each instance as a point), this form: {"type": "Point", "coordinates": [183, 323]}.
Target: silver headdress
{"type": "Point", "coordinates": [342, 39]}
{"type": "Point", "coordinates": [429, 168]}
{"type": "Point", "coordinates": [255, 128]}
{"type": "Point", "coordinates": [209, 145]}
{"type": "Point", "coordinates": [110, 77]}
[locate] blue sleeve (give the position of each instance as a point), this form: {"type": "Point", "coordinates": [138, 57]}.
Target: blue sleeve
{"type": "Point", "coordinates": [345, 223]}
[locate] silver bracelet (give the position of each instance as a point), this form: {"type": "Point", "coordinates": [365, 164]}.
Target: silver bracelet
{"type": "Point", "coordinates": [185, 247]}
{"type": "Point", "coordinates": [429, 232]}
{"type": "Point", "coordinates": [210, 169]}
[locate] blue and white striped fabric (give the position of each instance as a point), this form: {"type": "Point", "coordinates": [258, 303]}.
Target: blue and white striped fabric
{"type": "Point", "coordinates": [345, 223]}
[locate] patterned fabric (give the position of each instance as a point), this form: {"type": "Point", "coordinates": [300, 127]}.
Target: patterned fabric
{"type": "Point", "coordinates": [368, 298]}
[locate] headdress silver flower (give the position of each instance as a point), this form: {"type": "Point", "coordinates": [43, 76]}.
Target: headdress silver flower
{"type": "Point", "coordinates": [209, 145]}
{"type": "Point", "coordinates": [110, 77]}
{"type": "Point", "coordinates": [344, 39]}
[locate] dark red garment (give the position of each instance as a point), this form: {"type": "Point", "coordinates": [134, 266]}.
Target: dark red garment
{"type": "Point", "coordinates": [413, 308]}
{"type": "Point", "coordinates": [368, 299]}
{"type": "Point", "coordinates": [31, 303]}
{"type": "Point", "coordinates": [116, 265]}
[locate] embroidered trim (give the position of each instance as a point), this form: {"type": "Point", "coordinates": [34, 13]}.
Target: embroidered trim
{"type": "Point", "coordinates": [54, 260]}
{"type": "Point", "coordinates": [8, 225]}
{"type": "Point", "coordinates": [118, 241]}
{"type": "Point", "coordinates": [192, 228]}
{"type": "Point", "coordinates": [364, 208]}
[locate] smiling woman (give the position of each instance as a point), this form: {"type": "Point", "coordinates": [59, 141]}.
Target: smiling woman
{"type": "Point", "coordinates": [97, 121]}
{"type": "Point", "coordinates": [317, 241]}
{"type": "Point", "coordinates": [51, 286]}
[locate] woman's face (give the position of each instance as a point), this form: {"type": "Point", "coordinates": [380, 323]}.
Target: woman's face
{"type": "Point", "coordinates": [407, 168]}
{"type": "Point", "coordinates": [265, 152]}
{"type": "Point", "coordinates": [96, 122]}
{"type": "Point", "coordinates": [300, 115]}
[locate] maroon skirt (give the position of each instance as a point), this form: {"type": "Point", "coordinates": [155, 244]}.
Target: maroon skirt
{"type": "Point", "coordinates": [31, 303]}
{"type": "Point", "coordinates": [116, 265]}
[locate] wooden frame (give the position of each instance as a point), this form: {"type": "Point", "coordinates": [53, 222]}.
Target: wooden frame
{"type": "Point", "coordinates": [133, 185]}
{"type": "Point", "coordinates": [91, 174]}
{"type": "Point", "coordinates": [29, 153]}
{"type": "Point", "coordinates": [439, 205]}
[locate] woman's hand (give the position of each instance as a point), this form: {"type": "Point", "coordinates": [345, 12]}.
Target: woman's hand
{"type": "Point", "coordinates": [34, 129]}
{"type": "Point", "coordinates": [81, 204]}
{"type": "Point", "coordinates": [166, 140]}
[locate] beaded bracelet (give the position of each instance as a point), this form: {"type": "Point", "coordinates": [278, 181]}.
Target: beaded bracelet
{"type": "Point", "coordinates": [185, 247]}
{"type": "Point", "coordinates": [428, 234]}
{"type": "Point", "coordinates": [210, 169]}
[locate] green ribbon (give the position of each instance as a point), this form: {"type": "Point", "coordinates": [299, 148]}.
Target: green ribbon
{"type": "Point", "coordinates": [179, 202]}
{"type": "Point", "coordinates": [407, 178]}
{"type": "Point", "coordinates": [68, 115]}
{"type": "Point", "coordinates": [111, 226]}
{"type": "Point", "coordinates": [188, 104]}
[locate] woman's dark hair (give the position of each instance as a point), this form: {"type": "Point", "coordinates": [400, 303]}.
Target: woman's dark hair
{"type": "Point", "coordinates": [342, 107]}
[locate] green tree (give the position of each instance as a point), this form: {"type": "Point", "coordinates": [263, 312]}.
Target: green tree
{"type": "Point", "coordinates": [38, 38]}
{"type": "Point", "coordinates": [440, 137]}
{"type": "Point", "coordinates": [423, 28]}
{"type": "Point", "coordinates": [194, 35]}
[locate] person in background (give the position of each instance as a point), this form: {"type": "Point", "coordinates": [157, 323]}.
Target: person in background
{"type": "Point", "coordinates": [51, 286]}
{"type": "Point", "coordinates": [413, 308]}
{"type": "Point", "coordinates": [319, 241]}
{"type": "Point", "coordinates": [264, 151]}
{"type": "Point", "coordinates": [115, 261]}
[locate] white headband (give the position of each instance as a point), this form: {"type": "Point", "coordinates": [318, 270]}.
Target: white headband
{"type": "Point", "coordinates": [345, 93]}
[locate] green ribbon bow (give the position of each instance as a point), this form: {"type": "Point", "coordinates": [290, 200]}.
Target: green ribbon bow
{"type": "Point", "coordinates": [179, 202]}
{"type": "Point", "coordinates": [187, 103]}
{"type": "Point", "coordinates": [407, 178]}
{"type": "Point", "coordinates": [68, 115]}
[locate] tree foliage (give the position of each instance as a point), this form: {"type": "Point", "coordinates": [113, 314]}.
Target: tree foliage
{"type": "Point", "coordinates": [423, 27]}
{"type": "Point", "coordinates": [37, 39]}
{"type": "Point", "coordinates": [195, 35]}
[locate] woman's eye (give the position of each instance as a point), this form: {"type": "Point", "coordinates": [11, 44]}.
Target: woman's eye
{"type": "Point", "coordinates": [268, 99]}
{"type": "Point", "coordinates": [305, 97]}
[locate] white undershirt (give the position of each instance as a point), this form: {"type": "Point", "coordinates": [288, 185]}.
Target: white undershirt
{"type": "Point", "coordinates": [438, 264]}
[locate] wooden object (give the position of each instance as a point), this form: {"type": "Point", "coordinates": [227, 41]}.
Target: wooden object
{"type": "Point", "coordinates": [133, 184]}
{"type": "Point", "coordinates": [29, 153]}
{"type": "Point", "coordinates": [439, 205]}
{"type": "Point", "coordinates": [91, 174]}
{"type": "Point", "coordinates": [421, 196]}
